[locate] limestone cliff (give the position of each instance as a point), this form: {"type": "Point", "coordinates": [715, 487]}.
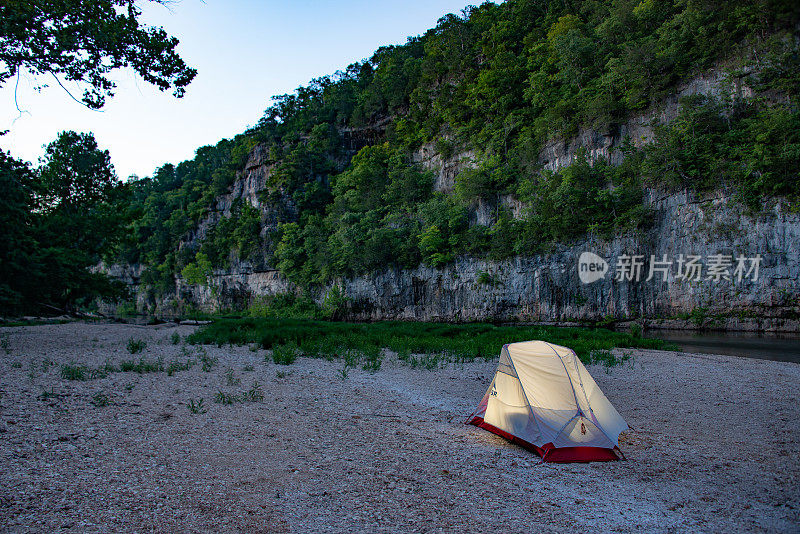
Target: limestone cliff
{"type": "Point", "coordinates": [547, 287]}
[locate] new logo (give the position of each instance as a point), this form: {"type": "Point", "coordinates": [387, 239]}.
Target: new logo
{"type": "Point", "coordinates": [591, 267]}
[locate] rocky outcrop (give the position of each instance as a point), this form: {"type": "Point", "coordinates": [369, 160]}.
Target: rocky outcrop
{"type": "Point", "coordinates": [548, 287]}
{"type": "Point", "coordinates": [606, 143]}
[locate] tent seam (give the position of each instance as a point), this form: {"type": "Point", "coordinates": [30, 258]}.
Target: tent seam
{"type": "Point", "coordinates": [522, 387]}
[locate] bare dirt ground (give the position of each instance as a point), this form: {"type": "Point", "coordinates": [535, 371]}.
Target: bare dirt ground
{"type": "Point", "coordinates": [715, 445]}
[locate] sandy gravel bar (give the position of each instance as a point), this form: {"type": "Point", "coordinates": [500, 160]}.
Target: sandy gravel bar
{"type": "Point", "coordinates": [715, 445]}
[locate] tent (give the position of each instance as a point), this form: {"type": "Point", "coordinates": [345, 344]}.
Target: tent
{"type": "Point", "coordinates": [544, 399]}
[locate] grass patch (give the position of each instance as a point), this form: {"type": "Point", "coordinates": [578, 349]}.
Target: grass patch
{"type": "Point", "coordinates": [100, 400]}
{"type": "Point", "coordinates": [225, 398]}
{"type": "Point", "coordinates": [207, 362]}
{"type": "Point", "coordinates": [230, 377]}
{"type": "Point", "coordinates": [135, 346]}
{"type": "Point", "coordinates": [142, 366]}
{"type": "Point", "coordinates": [49, 395]}
{"type": "Point", "coordinates": [82, 372]}
{"type": "Point", "coordinates": [254, 394]}
{"type": "Point", "coordinates": [438, 342]}
{"type": "Point", "coordinates": [284, 354]}
{"type": "Point", "coordinates": [176, 366]}
{"type": "Point", "coordinates": [196, 407]}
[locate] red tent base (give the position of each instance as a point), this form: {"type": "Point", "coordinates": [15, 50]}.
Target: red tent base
{"type": "Point", "coordinates": [548, 451]}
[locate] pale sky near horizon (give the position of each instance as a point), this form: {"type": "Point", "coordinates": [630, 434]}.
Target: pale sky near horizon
{"type": "Point", "coordinates": [245, 51]}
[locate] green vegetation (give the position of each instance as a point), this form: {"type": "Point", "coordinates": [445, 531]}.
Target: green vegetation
{"type": "Point", "coordinates": [230, 377]}
{"type": "Point", "coordinates": [225, 398]}
{"type": "Point", "coordinates": [176, 366]}
{"type": "Point", "coordinates": [356, 342]}
{"type": "Point", "coordinates": [196, 407]}
{"type": "Point", "coordinates": [254, 394]}
{"type": "Point", "coordinates": [345, 195]}
{"type": "Point", "coordinates": [135, 346]}
{"type": "Point", "coordinates": [207, 362]}
{"type": "Point", "coordinates": [55, 223]}
{"type": "Point", "coordinates": [284, 354]}
{"type": "Point", "coordinates": [142, 366]}
{"type": "Point", "coordinates": [100, 400]}
{"type": "Point", "coordinates": [81, 372]}
{"type": "Point", "coordinates": [83, 41]}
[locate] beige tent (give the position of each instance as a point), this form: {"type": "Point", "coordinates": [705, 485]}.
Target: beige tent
{"type": "Point", "coordinates": [544, 399]}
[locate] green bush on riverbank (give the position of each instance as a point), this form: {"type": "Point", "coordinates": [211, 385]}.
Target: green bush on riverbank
{"type": "Point", "coordinates": [456, 342]}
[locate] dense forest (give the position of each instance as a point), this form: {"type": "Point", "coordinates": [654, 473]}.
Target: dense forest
{"type": "Point", "coordinates": [498, 81]}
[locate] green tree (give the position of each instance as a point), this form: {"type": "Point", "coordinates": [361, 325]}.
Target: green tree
{"type": "Point", "coordinates": [17, 242]}
{"type": "Point", "coordinates": [75, 224]}
{"type": "Point", "coordinates": [199, 271]}
{"type": "Point", "coordinates": [83, 41]}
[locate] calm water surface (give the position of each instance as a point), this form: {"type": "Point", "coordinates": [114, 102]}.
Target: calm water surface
{"type": "Point", "coordinates": [784, 348]}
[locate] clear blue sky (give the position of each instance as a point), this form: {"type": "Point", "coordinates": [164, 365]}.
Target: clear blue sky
{"type": "Point", "coordinates": [244, 52]}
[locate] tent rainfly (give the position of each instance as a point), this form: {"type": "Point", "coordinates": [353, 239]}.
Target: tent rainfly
{"type": "Point", "coordinates": [543, 398]}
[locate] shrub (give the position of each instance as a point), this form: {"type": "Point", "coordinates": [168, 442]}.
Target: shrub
{"type": "Point", "coordinates": [284, 354]}
{"type": "Point", "coordinates": [136, 346]}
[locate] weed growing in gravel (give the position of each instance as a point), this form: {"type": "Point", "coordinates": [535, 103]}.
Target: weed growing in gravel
{"type": "Point", "coordinates": [248, 368]}
{"type": "Point", "coordinates": [372, 359]}
{"type": "Point", "coordinates": [136, 346]}
{"type": "Point", "coordinates": [196, 407]}
{"type": "Point", "coordinates": [284, 354]}
{"type": "Point", "coordinates": [207, 362]}
{"type": "Point", "coordinates": [5, 344]}
{"type": "Point", "coordinates": [16, 365]}
{"type": "Point", "coordinates": [351, 357]}
{"type": "Point", "coordinates": [282, 374]}
{"type": "Point", "coordinates": [175, 338]}
{"type": "Point", "coordinates": [142, 366]}
{"type": "Point", "coordinates": [607, 358]}
{"type": "Point", "coordinates": [47, 363]}
{"type": "Point", "coordinates": [225, 398]}
{"type": "Point", "coordinates": [344, 371]}
{"type": "Point", "coordinates": [231, 379]}
{"type": "Point", "coordinates": [129, 387]}
{"type": "Point", "coordinates": [47, 395]}
{"type": "Point", "coordinates": [426, 361]}
{"type": "Point", "coordinates": [81, 372]}
{"type": "Point", "coordinates": [255, 393]}
{"type": "Point", "coordinates": [176, 366]}
{"type": "Point", "coordinates": [100, 399]}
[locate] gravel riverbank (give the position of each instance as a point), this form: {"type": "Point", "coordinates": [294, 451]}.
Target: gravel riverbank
{"type": "Point", "coordinates": [715, 445]}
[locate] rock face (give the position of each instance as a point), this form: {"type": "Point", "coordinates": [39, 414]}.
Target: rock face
{"type": "Point", "coordinates": [547, 287]}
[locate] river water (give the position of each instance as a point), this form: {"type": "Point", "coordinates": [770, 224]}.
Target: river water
{"type": "Point", "coordinates": [784, 348]}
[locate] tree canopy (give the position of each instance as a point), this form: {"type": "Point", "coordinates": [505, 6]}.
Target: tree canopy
{"type": "Point", "coordinates": [56, 222]}
{"type": "Point", "coordinates": [345, 195]}
{"type": "Point", "coordinates": [83, 41]}
{"type": "Point", "coordinates": [346, 192]}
